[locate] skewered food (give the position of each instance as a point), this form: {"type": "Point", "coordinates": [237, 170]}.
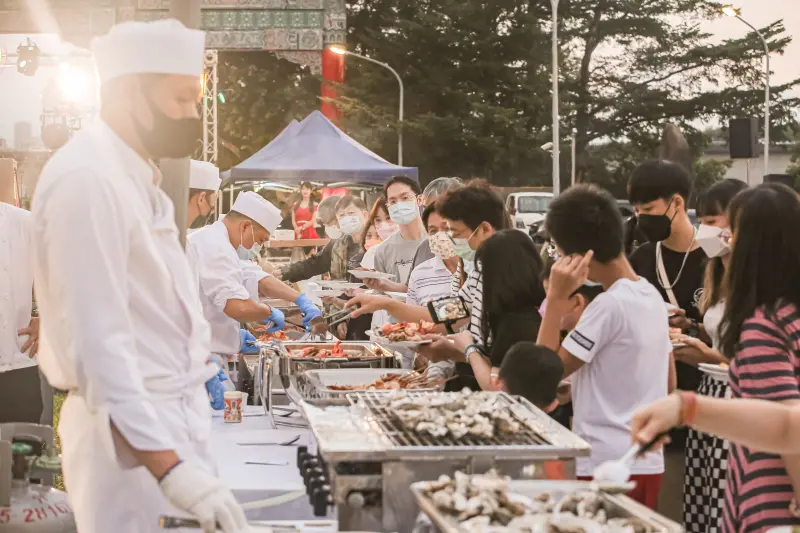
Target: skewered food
{"type": "Point", "coordinates": [407, 332]}
{"type": "Point", "coordinates": [483, 503]}
{"type": "Point", "coordinates": [456, 414]}
{"type": "Point", "coordinates": [393, 381]}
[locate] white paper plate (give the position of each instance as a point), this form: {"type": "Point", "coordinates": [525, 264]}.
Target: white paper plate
{"type": "Point", "coordinates": [400, 296]}
{"type": "Point", "coordinates": [340, 285]}
{"type": "Point", "coordinates": [370, 274]}
{"type": "Point", "coordinates": [678, 345]}
{"type": "Point", "coordinates": [327, 292]}
{"type": "Point", "coordinates": [396, 344]}
{"type": "Point", "coordinates": [715, 371]}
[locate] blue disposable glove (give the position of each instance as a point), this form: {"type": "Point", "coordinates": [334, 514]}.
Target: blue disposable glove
{"type": "Point", "coordinates": [309, 310]}
{"type": "Point", "coordinates": [216, 390]}
{"type": "Point", "coordinates": [276, 319]}
{"type": "Point", "coordinates": [245, 337]}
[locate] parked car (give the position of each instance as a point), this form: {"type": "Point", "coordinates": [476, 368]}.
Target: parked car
{"type": "Point", "coordinates": [528, 208]}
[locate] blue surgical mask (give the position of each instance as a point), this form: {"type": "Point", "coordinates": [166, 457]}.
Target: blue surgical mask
{"type": "Point", "coordinates": [350, 225]}
{"type": "Point", "coordinates": [404, 213]}
{"type": "Point", "coordinates": [249, 254]}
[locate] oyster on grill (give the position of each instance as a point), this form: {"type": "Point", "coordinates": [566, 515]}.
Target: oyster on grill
{"type": "Point", "coordinates": [454, 414]}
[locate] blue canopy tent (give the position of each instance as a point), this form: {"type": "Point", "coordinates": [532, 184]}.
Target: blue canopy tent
{"type": "Point", "coordinates": [316, 150]}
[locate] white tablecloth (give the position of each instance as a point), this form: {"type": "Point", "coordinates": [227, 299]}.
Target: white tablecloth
{"type": "Point", "coordinates": [253, 483]}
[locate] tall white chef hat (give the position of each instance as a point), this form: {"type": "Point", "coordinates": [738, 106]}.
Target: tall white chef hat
{"type": "Point", "coordinates": [254, 206]}
{"type": "Point", "coordinates": [160, 47]}
{"type": "Point", "coordinates": [204, 175]}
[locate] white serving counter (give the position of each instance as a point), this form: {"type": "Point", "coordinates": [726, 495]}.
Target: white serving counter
{"type": "Point", "coordinates": [253, 484]}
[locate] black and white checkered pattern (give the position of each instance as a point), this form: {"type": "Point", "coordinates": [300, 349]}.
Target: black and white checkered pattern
{"type": "Point", "coordinates": [706, 470]}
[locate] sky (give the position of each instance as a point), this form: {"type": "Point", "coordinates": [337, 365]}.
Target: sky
{"type": "Point", "coordinates": [21, 95]}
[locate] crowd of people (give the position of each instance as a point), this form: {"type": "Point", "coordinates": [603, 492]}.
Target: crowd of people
{"type": "Point", "coordinates": [608, 338]}
{"type": "Point", "coordinates": [593, 335]}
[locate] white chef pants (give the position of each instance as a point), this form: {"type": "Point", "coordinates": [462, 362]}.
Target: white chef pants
{"type": "Point", "coordinates": [104, 496]}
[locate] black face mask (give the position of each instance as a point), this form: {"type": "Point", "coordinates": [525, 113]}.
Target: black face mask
{"type": "Point", "coordinates": [170, 138]}
{"type": "Point", "coordinates": [656, 227]}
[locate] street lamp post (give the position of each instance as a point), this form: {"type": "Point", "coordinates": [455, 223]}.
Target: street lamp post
{"type": "Point", "coordinates": [556, 133]}
{"type": "Point", "coordinates": [737, 13]}
{"type": "Point", "coordinates": [341, 51]}
{"type": "Point", "coordinates": [574, 150]}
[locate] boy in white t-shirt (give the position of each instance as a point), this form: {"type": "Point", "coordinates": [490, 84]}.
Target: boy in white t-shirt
{"type": "Point", "coordinates": [619, 352]}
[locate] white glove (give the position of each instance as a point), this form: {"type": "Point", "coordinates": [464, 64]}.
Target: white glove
{"type": "Point", "coordinates": [191, 489]}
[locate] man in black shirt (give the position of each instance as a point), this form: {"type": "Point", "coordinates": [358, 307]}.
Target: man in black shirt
{"type": "Point", "coordinates": [675, 264]}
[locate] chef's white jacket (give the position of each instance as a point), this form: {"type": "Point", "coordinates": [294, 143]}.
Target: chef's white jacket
{"type": "Point", "coordinates": [222, 277]}
{"type": "Point", "coordinates": [16, 286]}
{"type": "Point", "coordinates": [121, 324]}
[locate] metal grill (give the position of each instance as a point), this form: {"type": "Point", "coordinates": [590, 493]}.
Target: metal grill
{"type": "Point", "coordinates": [391, 427]}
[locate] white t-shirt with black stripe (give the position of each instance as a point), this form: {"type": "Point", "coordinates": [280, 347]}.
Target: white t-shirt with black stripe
{"type": "Point", "coordinates": [472, 293]}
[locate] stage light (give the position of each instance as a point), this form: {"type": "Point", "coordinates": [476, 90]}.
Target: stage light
{"type": "Point", "coordinates": [28, 58]}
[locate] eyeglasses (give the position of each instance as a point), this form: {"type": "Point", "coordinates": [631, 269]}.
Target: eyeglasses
{"type": "Point", "coordinates": [404, 198]}
{"type": "Point", "coordinates": [552, 251]}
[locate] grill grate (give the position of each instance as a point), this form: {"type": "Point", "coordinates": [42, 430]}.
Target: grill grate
{"type": "Point", "coordinates": [390, 425]}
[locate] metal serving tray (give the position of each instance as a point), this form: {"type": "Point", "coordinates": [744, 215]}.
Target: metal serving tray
{"type": "Point", "coordinates": [617, 505]}
{"type": "Point", "coordinates": [360, 355]}
{"type": "Point", "coordinates": [536, 431]}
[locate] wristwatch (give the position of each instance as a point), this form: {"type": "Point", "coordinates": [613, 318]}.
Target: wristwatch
{"type": "Point", "coordinates": [471, 349]}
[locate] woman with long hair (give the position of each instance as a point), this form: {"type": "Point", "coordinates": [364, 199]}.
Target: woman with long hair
{"type": "Point", "coordinates": [378, 223]}
{"type": "Point", "coordinates": [761, 328]}
{"type": "Point", "coordinates": [707, 455]}
{"type": "Point", "coordinates": [512, 293]}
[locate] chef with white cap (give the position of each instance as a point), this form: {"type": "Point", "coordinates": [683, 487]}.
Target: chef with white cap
{"type": "Point", "coordinates": [230, 285]}
{"type": "Point", "coordinates": [121, 324]}
{"type": "Point", "coordinates": [204, 182]}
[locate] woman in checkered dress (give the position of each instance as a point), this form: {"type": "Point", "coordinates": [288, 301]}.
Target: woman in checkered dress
{"type": "Point", "coordinates": [707, 455]}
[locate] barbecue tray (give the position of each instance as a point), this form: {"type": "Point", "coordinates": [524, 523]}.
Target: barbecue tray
{"type": "Point", "coordinates": [621, 505]}
{"type": "Point", "coordinates": [381, 435]}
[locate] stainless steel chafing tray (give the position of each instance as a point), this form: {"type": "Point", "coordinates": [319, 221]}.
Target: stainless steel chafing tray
{"type": "Point", "coordinates": [617, 506]}
{"type": "Point", "coordinates": [278, 360]}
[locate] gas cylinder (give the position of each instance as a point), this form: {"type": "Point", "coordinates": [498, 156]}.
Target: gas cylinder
{"type": "Point", "coordinates": [26, 506]}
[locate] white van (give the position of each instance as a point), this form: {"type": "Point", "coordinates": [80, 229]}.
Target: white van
{"type": "Point", "coordinates": [528, 208]}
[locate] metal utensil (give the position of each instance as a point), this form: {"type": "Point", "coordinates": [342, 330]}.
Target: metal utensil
{"type": "Point", "coordinates": [260, 463]}
{"type": "Point", "coordinates": [286, 443]}
{"type": "Point", "coordinates": [173, 522]}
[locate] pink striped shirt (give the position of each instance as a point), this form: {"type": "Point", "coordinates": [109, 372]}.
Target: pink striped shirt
{"type": "Point", "coordinates": [766, 366]}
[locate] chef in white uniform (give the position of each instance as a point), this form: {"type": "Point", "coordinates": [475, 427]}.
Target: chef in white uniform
{"type": "Point", "coordinates": [230, 284]}
{"type": "Point", "coordinates": [121, 324]}
{"type": "Point", "coordinates": [204, 182]}
{"type": "Point", "coordinates": [20, 386]}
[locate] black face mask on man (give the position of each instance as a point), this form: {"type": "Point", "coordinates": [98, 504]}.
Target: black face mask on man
{"type": "Point", "coordinates": [170, 138]}
{"type": "Point", "coordinates": [657, 227]}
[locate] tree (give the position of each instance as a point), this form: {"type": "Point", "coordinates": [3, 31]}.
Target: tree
{"type": "Point", "coordinates": [633, 65]}
{"type": "Point", "coordinates": [477, 80]}
{"type": "Point", "coordinates": [262, 95]}
{"type": "Point", "coordinates": [477, 84]}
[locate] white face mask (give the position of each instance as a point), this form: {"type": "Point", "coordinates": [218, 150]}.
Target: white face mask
{"type": "Point", "coordinates": [710, 239]}
{"type": "Point", "coordinates": [386, 230]}
{"type": "Point", "coordinates": [351, 224]}
{"type": "Point", "coordinates": [333, 232]}
{"type": "Point", "coordinates": [248, 254]}
{"type": "Point", "coordinates": [404, 213]}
